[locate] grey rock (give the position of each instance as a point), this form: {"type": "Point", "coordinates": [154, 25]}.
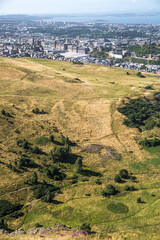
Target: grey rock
{"type": "Point", "coordinates": [3, 231]}
{"type": "Point", "coordinates": [18, 232]}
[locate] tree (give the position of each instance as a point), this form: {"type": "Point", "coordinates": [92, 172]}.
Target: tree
{"type": "Point", "coordinates": [78, 165]}
{"type": "Point", "coordinates": [117, 179]}
{"type": "Point", "coordinates": [48, 197]}
{"type": "Point", "coordinates": [34, 178]}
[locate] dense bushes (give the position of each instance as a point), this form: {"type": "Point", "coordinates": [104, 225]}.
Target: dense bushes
{"type": "Point", "coordinates": [60, 153]}
{"type": "Point", "coordinates": [7, 208]}
{"type": "Point", "coordinates": [44, 191]}
{"type": "Point", "coordinates": [153, 142]}
{"type": "Point", "coordinates": [78, 165]}
{"type": "Point", "coordinates": [25, 162]}
{"type": "Point", "coordinates": [117, 179]}
{"type": "Point", "coordinates": [4, 113]}
{"type": "Point", "coordinates": [36, 150]}
{"type": "Point", "coordinates": [54, 173]}
{"type": "Point", "coordinates": [110, 190]}
{"type": "Point", "coordinates": [41, 140]}
{"type": "Point", "coordinates": [123, 173]}
{"type": "Point", "coordinates": [38, 111]}
{"type": "Point", "coordinates": [129, 188]}
{"type": "Point", "coordinates": [139, 110]}
{"type": "Point", "coordinates": [85, 227]}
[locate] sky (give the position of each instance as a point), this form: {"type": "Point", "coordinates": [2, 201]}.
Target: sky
{"type": "Point", "coordinates": [77, 6]}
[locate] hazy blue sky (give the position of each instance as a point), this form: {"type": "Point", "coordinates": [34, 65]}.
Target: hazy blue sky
{"type": "Point", "coordinates": [75, 6]}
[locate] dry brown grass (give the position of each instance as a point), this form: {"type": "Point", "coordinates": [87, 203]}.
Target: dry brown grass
{"type": "Point", "coordinates": [86, 112]}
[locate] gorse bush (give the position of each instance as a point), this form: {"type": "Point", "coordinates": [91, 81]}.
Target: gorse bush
{"type": "Point", "coordinates": [25, 162]}
{"type": "Point", "coordinates": [7, 208]}
{"type": "Point", "coordinates": [60, 153]}
{"type": "Point", "coordinates": [36, 150]}
{"type": "Point", "coordinates": [129, 188]}
{"type": "Point", "coordinates": [41, 140]}
{"type": "Point", "coordinates": [123, 173]}
{"type": "Point", "coordinates": [54, 173]}
{"type": "Point", "coordinates": [153, 142]}
{"type": "Point", "coordinates": [86, 227]}
{"type": "Point", "coordinates": [44, 189]}
{"type": "Point", "coordinates": [138, 111]}
{"type": "Point", "coordinates": [117, 179]}
{"type": "Point", "coordinates": [38, 111]}
{"type": "Point", "coordinates": [78, 165]}
{"type": "Point", "coordinates": [110, 190]}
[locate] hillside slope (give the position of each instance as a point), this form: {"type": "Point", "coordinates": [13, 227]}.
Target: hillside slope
{"type": "Point", "coordinates": [78, 102]}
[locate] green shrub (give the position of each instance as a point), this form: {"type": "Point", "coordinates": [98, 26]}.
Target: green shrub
{"type": "Point", "coordinates": [139, 200]}
{"type": "Point", "coordinates": [36, 150]}
{"type": "Point", "coordinates": [78, 165]}
{"type": "Point", "coordinates": [34, 179]}
{"type": "Point", "coordinates": [42, 190]}
{"type": "Point", "coordinates": [54, 173]}
{"type": "Point", "coordinates": [86, 227]}
{"type": "Point", "coordinates": [41, 140]}
{"type": "Point", "coordinates": [59, 153]}
{"type": "Point", "coordinates": [3, 112]}
{"type": "Point", "coordinates": [153, 142]}
{"type": "Point", "coordinates": [25, 144]}
{"type": "Point", "coordinates": [150, 124]}
{"type": "Point", "coordinates": [117, 179]}
{"type": "Point", "coordinates": [38, 111]}
{"type": "Point", "coordinates": [124, 173]}
{"type": "Point", "coordinates": [48, 197]}
{"type": "Point", "coordinates": [51, 138]}
{"type": "Point", "coordinates": [138, 111]}
{"type": "Point", "coordinates": [25, 162]}
{"type": "Point", "coordinates": [7, 208]}
{"type": "Point", "coordinates": [117, 207]}
{"type": "Point", "coordinates": [38, 225]}
{"type": "Point", "coordinates": [110, 190]}
{"type": "Point", "coordinates": [129, 188]}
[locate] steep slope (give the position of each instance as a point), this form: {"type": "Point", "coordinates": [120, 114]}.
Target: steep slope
{"type": "Point", "coordinates": [79, 102]}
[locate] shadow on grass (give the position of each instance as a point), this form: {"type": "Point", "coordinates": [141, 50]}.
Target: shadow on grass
{"type": "Point", "coordinates": [57, 202]}
{"type": "Point", "coordinates": [90, 173]}
{"type": "Point", "coordinates": [71, 159]}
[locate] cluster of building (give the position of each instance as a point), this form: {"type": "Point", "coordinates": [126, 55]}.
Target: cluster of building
{"type": "Point", "coordinates": [23, 40]}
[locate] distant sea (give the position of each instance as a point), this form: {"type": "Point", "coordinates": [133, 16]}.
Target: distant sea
{"type": "Point", "coordinates": [130, 18]}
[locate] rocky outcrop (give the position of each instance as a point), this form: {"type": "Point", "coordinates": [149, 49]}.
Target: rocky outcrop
{"type": "Point", "coordinates": [3, 231]}
{"type": "Point", "coordinates": [18, 232]}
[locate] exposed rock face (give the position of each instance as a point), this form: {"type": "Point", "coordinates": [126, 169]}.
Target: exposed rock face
{"type": "Point", "coordinates": [34, 231]}
{"type": "Point", "coordinates": [49, 230]}
{"type": "Point", "coordinates": [18, 232]}
{"type": "Point", "coordinates": [3, 231]}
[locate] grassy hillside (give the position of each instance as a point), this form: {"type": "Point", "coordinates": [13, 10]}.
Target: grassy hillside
{"type": "Point", "coordinates": [78, 102]}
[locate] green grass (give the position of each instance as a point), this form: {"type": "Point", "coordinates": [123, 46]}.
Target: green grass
{"type": "Point", "coordinates": [86, 113]}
